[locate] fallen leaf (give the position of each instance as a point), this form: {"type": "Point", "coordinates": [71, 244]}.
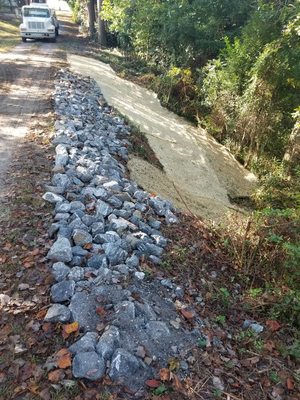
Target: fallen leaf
{"type": "Point", "coordinates": [176, 382]}
{"type": "Point", "coordinates": [41, 314]}
{"type": "Point", "coordinates": [35, 252]}
{"type": "Point", "coordinates": [273, 325]}
{"type": "Point", "coordinates": [56, 375]}
{"type": "Point", "coordinates": [63, 358]}
{"type": "Point", "coordinates": [269, 345]}
{"type": "Point", "coordinates": [163, 397]}
{"type": "Point", "coordinates": [3, 377]}
{"type": "Point", "coordinates": [164, 374]}
{"type": "Point", "coordinates": [173, 364]}
{"type": "Point", "coordinates": [28, 264]}
{"type": "Point", "coordinates": [290, 384]}
{"type": "Point", "coordinates": [248, 362]}
{"type": "Point", "coordinates": [187, 314]}
{"type": "Point", "coordinates": [47, 327]}
{"type": "Point", "coordinates": [70, 328]}
{"type": "Point", "coordinates": [33, 388]}
{"type": "Point", "coordinates": [152, 383]}
{"type": "Point", "coordinates": [101, 311]}
{"type": "Point", "coordinates": [45, 394]}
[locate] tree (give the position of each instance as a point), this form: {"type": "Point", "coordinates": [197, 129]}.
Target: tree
{"type": "Point", "coordinates": [92, 17]}
{"type": "Point", "coordinates": [101, 24]}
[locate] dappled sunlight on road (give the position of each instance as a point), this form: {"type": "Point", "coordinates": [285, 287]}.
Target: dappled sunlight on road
{"type": "Point", "coordinates": [24, 93]}
{"type": "Point", "coordinates": [194, 162]}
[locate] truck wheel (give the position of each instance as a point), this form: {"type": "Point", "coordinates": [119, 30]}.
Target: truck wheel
{"type": "Point", "coordinates": [53, 40]}
{"type": "Point", "coordinates": [24, 39]}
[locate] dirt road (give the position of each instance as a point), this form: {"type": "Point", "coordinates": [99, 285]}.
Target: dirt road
{"type": "Point", "coordinates": [26, 82]}
{"type": "Point", "coordinates": [199, 173]}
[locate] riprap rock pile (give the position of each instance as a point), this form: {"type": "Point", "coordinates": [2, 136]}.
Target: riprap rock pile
{"type": "Point", "coordinates": [104, 226]}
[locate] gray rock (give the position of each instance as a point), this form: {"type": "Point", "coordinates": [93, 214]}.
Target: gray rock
{"type": "Point", "coordinates": [62, 216]}
{"type": "Point", "coordinates": [103, 209]}
{"type": "Point", "coordinates": [111, 185]}
{"type": "Point", "coordinates": [133, 261]}
{"type": "Point", "coordinates": [160, 240]}
{"type": "Point", "coordinates": [62, 155]}
{"type": "Point", "coordinates": [257, 328]}
{"type": "Point", "coordinates": [65, 231]}
{"type": "Point", "coordinates": [108, 237]}
{"type": "Point", "coordinates": [83, 309]}
{"type": "Point", "coordinates": [88, 365]}
{"type": "Point", "coordinates": [104, 275]}
{"type": "Point", "coordinates": [53, 198]}
{"type": "Point", "coordinates": [180, 293]}
{"type": "Point", "coordinates": [100, 193]}
{"type": "Point", "coordinates": [60, 271]}
{"type": "Point", "coordinates": [155, 260]}
{"type": "Point", "coordinates": [61, 250]}
{"type": "Point", "coordinates": [141, 196]}
{"type": "Point", "coordinates": [127, 370]}
{"type": "Point", "coordinates": [76, 274]}
{"type": "Point", "coordinates": [157, 330]}
{"type": "Point", "coordinates": [77, 224]}
{"type": "Point", "coordinates": [77, 205]}
{"type": "Point", "coordinates": [167, 283]}
{"type": "Point", "coordinates": [108, 342]}
{"type": "Point", "coordinates": [88, 220]}
{"type": "Point", "coordinates": [122, 269]}
{"type": "Point", "coordinates": [149, 249]}
{"type": "Point", "coordinates": [85, 344]}
{"type": "Point", "coordinates": [121, 224]}
{"type": "Point", "coordinates": [139, 275]}
{"type": "Point", "coordinates": [97, 261]}
{"type": "Point", "coordinates": [124, 314]}
{"type": "Point", "coordinates": [81, 237]}
{"type": "Point", "coordinates": [115, 202]}
{"type": "Point", "coordinates": [62, 207]}
{"type": "Point", "coordinates": [158, 205]}
{"type": "Point", "coordinates": [97, 228]}
{"type": "Point", "coordinates": [115, 254]}
{"type": "Point", "coordinates": [154, 223]}
{"type": "Point", "coordinates": [124, 196]}
{"type": "Point", "coordinates": [62, 181]}
{"type": "Point", "coordinates": [171, 218]}
{"type": "Point", "coordinates": [58, 313]}
{"type": "Point", "coordinates": [79, 251]}
{"type": "Point", "coordinates": [84, 174]}
{"type": "Point", "coordinates": [145, 310]}
{"type": "Point", "coordinates": [62, 291]}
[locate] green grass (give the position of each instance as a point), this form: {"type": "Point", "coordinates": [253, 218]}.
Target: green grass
{"type": "Point", "coordinates": [9, 34]}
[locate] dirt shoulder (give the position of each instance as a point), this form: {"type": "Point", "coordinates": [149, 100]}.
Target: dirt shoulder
{"type": "Point", "coordinates": [26, 82]}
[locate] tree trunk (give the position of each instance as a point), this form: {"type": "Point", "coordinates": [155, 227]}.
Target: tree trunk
{"type": "Point", "coordinates": [101, 25]}
{"type": "Point", "coordinates": [92, 17]}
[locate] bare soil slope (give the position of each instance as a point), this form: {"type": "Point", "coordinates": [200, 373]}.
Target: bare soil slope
{"type": "Point", "coordinates": [198, 173]}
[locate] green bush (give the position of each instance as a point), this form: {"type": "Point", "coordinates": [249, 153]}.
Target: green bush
{"type": "Point", "coordinates": [253, 88]}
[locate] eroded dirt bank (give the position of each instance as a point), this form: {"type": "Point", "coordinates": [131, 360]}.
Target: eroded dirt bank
{"type": "Point", "coordinates": [199, 173]}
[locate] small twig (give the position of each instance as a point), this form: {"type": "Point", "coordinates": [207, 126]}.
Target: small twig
{"type": "Point", "coordinates": [231, 396]}
{"type": "Point", "coordinates": [184, 202]}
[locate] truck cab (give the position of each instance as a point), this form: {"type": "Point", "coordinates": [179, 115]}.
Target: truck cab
{"type": "Point", "coordinates": [38, 22]}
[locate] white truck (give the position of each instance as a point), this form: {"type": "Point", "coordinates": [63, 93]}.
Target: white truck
{"type": "Point", "coordinates": [39, 22]}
